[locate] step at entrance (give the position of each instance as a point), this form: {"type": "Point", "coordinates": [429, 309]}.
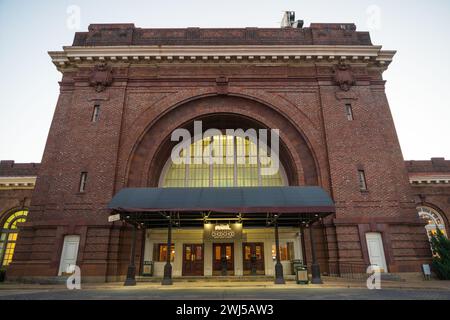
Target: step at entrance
{"type": "Point", "coordinates": [214, 278]}
{"type": "Point", "coordinates": [391, 277]}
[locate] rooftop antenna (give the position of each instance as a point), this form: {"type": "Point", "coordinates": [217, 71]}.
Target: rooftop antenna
{"type": "Point", "coordinates": [289, 21]}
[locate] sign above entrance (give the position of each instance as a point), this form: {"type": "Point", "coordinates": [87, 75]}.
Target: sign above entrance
{"type": "Point", "coordinates": [222, 231]}
{"type": "Point", "coordinates": [114, 217]}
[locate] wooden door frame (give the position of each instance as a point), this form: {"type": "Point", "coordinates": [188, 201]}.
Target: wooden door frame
{"type": "Point", "coordinates": [262, 255]}
{"type": "Point", "coordinates": [214, 253]}
{"type": "Point", "coordinates": [183, 268]}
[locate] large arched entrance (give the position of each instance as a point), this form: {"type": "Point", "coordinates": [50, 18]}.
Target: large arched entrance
{"type": "Point", "coordinates": [243, 238]}
{"type": "Point", "coordinates": [150, 154]}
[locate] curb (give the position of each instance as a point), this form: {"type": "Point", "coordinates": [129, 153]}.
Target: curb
{"type": "Point", "coordinates": [223, 287]}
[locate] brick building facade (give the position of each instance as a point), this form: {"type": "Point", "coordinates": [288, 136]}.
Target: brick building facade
{"type": "Point", "coordinates": [430, 184]}
{"type": "Point", "coordinates": [17, 181]}
{"type": "Point", "coordinates": [124, 90]}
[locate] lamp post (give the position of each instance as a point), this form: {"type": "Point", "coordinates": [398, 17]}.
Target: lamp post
{"type": "Point", "coordinates": [315, 268]}
{"type": "Point", "coordinates": [279, 279]}
{"type": "Point", "coordinates": [167, 279]}
{"type": "Point", "coordinates": [131, 272]}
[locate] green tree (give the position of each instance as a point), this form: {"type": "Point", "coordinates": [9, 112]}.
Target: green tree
{"type": "Point", "coordinates": [440, 245]}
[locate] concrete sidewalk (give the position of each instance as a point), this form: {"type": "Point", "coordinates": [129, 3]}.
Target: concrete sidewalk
{"type": "Point", "coordinates": [328, 283]}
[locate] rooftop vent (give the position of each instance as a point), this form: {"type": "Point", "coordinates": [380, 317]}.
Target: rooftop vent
{"type": "Point", "coordinates": [289, 21]}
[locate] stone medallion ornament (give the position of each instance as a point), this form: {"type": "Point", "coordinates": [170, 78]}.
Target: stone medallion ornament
{"type": "Point", "coordinates": [101, 77]}
{"type": "Point", "coordinates": [343, 76]}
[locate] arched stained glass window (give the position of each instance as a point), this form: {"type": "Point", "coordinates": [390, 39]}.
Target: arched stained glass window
{"type": "Point", "coordinates": [241, 165]}
{"type": "Point", "coordinates": [8, 236]}
{"type": "Point", "coordinates": [433, 218]}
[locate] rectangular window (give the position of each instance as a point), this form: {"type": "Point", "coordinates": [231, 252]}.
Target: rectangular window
{"type": "Point", "coordinates": [95, 113]}
{"type": "Point", "coordinates": [362, 180]}
{"type": "Point", "coordinates": [286, 251]}
{"type": "Point", "coordinates": [160, 252]}
{"type": "Point", "coordinates": [349, 111]}
{"type": "Point", "coordinates": [83, 179]}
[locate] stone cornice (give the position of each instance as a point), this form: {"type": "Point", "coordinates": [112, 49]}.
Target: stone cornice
{"type": "Point", "coordinates": [72, 56]}
{"type": "Point", "coordinates": [17, 182]}
{"type": "Point", "coordinates": [420, 179]}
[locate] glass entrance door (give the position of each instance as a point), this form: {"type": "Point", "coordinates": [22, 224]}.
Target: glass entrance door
{"type": "Point", "coordinates": [192, 259]}
{"type": "Point", "coordinates": [223, 259]}
{"type": "Point", "coordinates": [253, 254]}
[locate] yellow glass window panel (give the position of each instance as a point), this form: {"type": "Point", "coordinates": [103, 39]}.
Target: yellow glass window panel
{"type": "Point", "coordinates": [247, 252]}
{"type": "Point", "coordinates": [9, 238]}
{"type": "Point", "coordinates": [12, 236]}
{"type": "Point", "coordinates": [258, 252]}
{"type": "Point", "coordinates": [163, 253]}
{"type": "Point", "coordinates": [7, 258]}
{"type": "Point", "coordinates": [222, 161]}
{"type": "Point", "coordinates": [188, 253]}
{"type": "Point", "coordinates": [285, 251]}
{"type": "Point", "coordinates": [11, 222]}
{"type": "Point", "coordinates": [14, 224]}
{"type": "Point", "coordinates": [217, 253]}
{"type": "Point", "coordinates": [228, 252]}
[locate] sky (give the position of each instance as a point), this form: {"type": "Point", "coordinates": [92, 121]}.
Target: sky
{"type": "Point", "coordinates": [418, 82]}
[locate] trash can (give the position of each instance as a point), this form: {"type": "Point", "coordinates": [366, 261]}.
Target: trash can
{"type": "Point", "coordinates": [296, 263]}
{"type": "Point", "coordinates": [301, 275]}
{"type": "Point", "coordinates": [148, 269]}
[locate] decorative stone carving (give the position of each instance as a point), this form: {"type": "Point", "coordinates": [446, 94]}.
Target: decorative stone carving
{"type": "Point", "coordinates": [222, 85]}
{"type": "Point", "coordinates": [101, 77]}
{"type": "Point", "coordinates": [343, 76]}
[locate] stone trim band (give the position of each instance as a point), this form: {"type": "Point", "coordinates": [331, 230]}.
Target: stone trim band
{"type": "Point", "coordinates": [72, 56]}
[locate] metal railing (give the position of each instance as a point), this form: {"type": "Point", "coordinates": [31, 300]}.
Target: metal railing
{"type": "Point", "coordinates": [349, 270]}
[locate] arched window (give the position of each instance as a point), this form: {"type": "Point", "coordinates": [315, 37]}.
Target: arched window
{"type": "Point", "coordinates": [241, 165]}
{"type": "Point", "coordinates": [433, 218]}
{"type": "Point", "coordinates": [8, 236]}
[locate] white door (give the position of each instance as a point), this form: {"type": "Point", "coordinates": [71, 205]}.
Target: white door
{"type": "Point", "coordinates": [376, 251]}
{"type": "Point", "coordinates": [69, 253]}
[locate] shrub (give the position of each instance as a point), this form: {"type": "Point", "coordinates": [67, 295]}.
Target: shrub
{"type": "Point", "coordinates": [440, 245]}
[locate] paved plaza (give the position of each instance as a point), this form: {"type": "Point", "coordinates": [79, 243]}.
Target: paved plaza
{"type": "Point", "coordinates": [330, 290]}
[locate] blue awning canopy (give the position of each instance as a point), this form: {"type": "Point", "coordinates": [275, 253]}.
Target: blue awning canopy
{"type": "Point", "coordinates": [305, 199]}
{"type": "Point", "coordinates": [192, 207]}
